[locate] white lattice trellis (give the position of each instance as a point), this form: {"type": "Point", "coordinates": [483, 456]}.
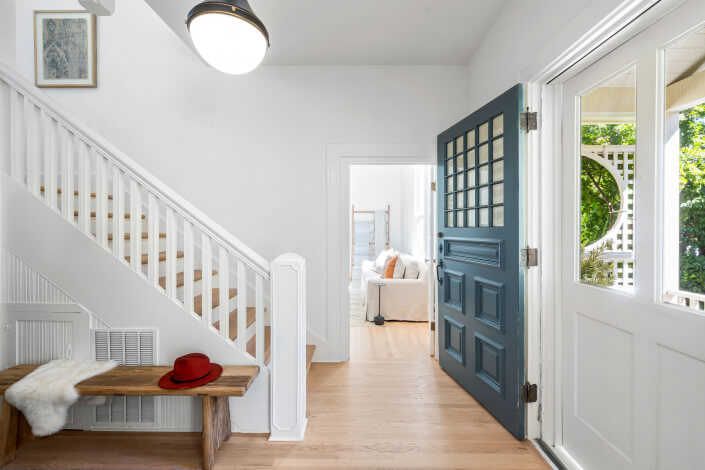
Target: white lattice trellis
{"type": "Point", "coordinates": [619, 161]}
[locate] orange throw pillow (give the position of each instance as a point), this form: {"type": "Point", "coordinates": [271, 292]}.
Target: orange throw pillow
{"type": "Point", "coordinates": [389, 271]}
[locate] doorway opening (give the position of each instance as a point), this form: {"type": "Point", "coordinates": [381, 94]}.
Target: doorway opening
{"type": "Point", "coordinates": [390, 244]}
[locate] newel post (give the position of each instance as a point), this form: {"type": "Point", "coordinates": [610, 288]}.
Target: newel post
{"type": "Point", "coordinates": [288, 362]}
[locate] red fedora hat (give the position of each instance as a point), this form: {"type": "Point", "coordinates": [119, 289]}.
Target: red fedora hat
{"type": "Point", "coordinates": [191, 370]}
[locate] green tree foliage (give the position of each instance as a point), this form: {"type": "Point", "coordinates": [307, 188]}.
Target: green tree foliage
{"type": "Point", "coordinates": [595, 270]}
{"type": "Point", "coordinates": [692, 199]}
{"type": "Point", "coordinates": [599, 193]}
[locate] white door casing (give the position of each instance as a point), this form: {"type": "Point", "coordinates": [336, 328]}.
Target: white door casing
{"type": "Point", "coordinates": [633, 367]}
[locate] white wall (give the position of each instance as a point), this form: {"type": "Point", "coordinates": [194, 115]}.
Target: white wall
{"type": "Point", "coordinates": [527, 34]}
{"type": "Point", "coordinates": [7, 32]}
{"type": "Point", "coordinates": [249, 151]}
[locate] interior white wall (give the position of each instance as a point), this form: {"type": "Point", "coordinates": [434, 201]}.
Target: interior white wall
{"type": "Point", "coordinates": [7, 32]}
{"type": "Point", "coordinates": [525, 36]}
{"type": "Point", "coordinates": [249, 150]}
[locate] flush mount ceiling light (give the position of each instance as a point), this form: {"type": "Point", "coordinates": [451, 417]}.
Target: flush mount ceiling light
{"type": "Point", "coordinates": [228, 35]}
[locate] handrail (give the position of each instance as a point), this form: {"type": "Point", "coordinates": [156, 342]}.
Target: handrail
{"type": "Point", "coordinates": [170, 197]}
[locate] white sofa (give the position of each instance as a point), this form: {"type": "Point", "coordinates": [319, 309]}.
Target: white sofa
{"type": "Point", "coordinates": [402, 299]}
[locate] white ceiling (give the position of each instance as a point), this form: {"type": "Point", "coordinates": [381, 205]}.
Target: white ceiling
{"type": "Point", "coordinates": [362, 32]}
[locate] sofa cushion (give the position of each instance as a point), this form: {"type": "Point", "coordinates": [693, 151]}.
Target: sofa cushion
{"type": "Point", "coordinates": [382, 258]}
{"type": "Point", "coordinates": [412, 269]}
{"type": "Point", "coordinates": [399, 268]}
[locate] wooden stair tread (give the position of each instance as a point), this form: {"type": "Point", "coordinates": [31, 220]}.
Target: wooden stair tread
{"type": "Point", "coordinates": [252, 345]}
{"type": "Point", "coordinates": [232, 324]}
{"type": "Point", "coordinates": [75, 192]}
{"type": "Point", "coordinates": [162, 256]}
{"type": "Point", "coordinates": [215, 299]}
{"type": "Point", "coordinates": [310, 349]}
{"type": "Point", "coordinates": [110, 215]}
{"type": "Point", "coordinates": [197, 276]}
{"type": "Point", "coordinates": [145, 236]}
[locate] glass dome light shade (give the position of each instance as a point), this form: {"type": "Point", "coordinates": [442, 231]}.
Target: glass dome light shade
{"type": "Point", "coordinates": [229, 37]}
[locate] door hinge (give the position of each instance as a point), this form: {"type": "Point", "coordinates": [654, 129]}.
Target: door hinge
{"type": "Point", "coordinates": [433, 326]}
{"type": "Point", "coordinates": [528, 121]}
{"type": "Point", "coordinates": [528, 393]}
{"type": "Point", "coordinates": [529, 257]}
{"type": "Point", "coordinates": [433, 185]}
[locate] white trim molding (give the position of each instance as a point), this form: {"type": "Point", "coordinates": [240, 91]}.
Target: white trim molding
{"type": "Point", "coordinates": [340, 157]}
{"type": "Point", "coordinates": [288, 364]}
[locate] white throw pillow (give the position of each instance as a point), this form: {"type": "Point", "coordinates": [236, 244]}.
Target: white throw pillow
{"type": "Point", "coordinates": [399, 268]}
{"type": "Point", "coordinates": [412, 270]}
{"type": "Point", "coordinates": [382, 258]}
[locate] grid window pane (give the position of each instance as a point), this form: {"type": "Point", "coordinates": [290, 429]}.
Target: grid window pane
{"type": "Point", "coordinates": [461, 218]}
{"type": "Point", "coordinates": [460, 162]}
{"type": "Point", "coordinates": [450, 202]}
{"type": "Point", "coordinates": [461, 181]}
{"type": "Point", "coordinates": [498, 125]}
{"type": "Point", "coordinates": [484, 174]}
{"type": "Point", "coordinates": [460, 144]}
{"type": "Point", "coordinates": [498, 171]}
{"type": "Point", "coordinates": [449, 219]}
{"type": "Point", "coordinates": [471, 198]}
{"type": "Point", "coordinates": [461, 200]}
{"type": "Point", "coordinates": [450, 186]}
{"type": "Point", "coordinates": [483, 132]}
{"type": "Point", "coordinates": [498, 193]}
{"type": "Point", "coordinates": [471, 218]}
{"type": "Point", "coordinates": [484, 196]}
{"type": "Point", "coordinates": [470, 139]}
{"type": "Point", "coordinates": [449, 167]}
{"type": "Point", "coordinates": [498, 148]}
{"type": "Point", "coordinates": [485, 217]}
{"type": "Point", "coordinates": [483, 154]}
{"type": "Point", "coordinates": [471, 178]}
{"type": "Point", "coordinates": [498, 216]}
{"type": "Point", "coordinates": [449, 149]}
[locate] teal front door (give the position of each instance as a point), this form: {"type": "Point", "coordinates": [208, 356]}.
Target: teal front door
{"type": "Point", "coordinates": [480, 318]}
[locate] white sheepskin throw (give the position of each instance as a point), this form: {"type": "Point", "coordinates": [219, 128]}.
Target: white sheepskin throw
{"type": "Point", "coordinates": [46, 394]}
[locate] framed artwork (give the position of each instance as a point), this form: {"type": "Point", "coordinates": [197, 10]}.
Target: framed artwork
{"type": "Point", "coordinates": [64, 49]}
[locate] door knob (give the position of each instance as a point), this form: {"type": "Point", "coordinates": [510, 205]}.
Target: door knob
{"type": "Point", "coordinates": [439, 266]}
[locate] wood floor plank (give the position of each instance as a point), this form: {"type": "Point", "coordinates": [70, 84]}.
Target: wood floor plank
{"type": "Point", "coordinates": [390, 406]}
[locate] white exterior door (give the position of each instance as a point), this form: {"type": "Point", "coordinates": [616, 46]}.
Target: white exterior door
{"type": "Point", "coordinates": [633, 366]}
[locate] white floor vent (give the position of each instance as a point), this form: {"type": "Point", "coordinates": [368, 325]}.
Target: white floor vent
{"type": "Point", "coordinates": [128, 347]}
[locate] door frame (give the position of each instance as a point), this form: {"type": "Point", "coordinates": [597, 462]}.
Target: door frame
{"type": "Point", "coordinates": [543, 92]}
{"type": "Point", "coordinates": [340, 157]}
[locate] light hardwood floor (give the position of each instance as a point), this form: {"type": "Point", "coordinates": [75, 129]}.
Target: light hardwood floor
{"type": "Point", "coordinates": [390, 406]}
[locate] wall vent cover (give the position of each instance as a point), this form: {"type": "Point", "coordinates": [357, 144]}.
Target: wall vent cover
{"type": "Point", "coordinates": [128, 347]}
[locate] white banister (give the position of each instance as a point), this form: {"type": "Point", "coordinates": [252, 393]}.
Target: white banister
{"type": "Point", "coordinates": [66, 174]}
{"type": "Point", "coordinates": [224, 287]}
{"type": "Point", "coordinates": [288, 362]}
{"type": "Point", "coordinates": [84, 199]}
{"type": "Point", "coordinates": [33, 171]}
{"type": "Point", "coordinates": [171, 242]}
{"type": "Point", "coordinates": [206, 281]}
{"type": "Point", "coordinates": [101, 204]}
{"type": "Point", "coordinates": [119, 214]}
{"type": "Point", "coordinates": [135, 226]}
{"type": "Point", "coordinates": [188, 267]}
{"type": "Point", "coordinates": [259, 319]}
{"type": "Point", "coordinates": [134, 171]}
{"type": "Point", "coordinates": [153, 240]}
{"type": "Point", "coordinates": [49, 144]}
{"type": "Point", "coordinates": [241, 306]}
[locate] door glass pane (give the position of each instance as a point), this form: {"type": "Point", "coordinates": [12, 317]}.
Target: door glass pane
{"type": "Point", "coordinates": [484, 174]}
{"type": "Point", "coordinates": [459, 144]}
{"type": "Point", "coordinates": [471, 178]}
{"type": "Point", "coordinates": [498, 171]}
{"type": "Point", "coordinates": [461, 199]}
{"type": "Point", "coordinates": [498, 125]}
{"type": "Point", "coordinates": [460, 162]}
{"type": "Point", "coordinates": [471, 198]}
{"type": "Point", "coordinates": [497, 148]}
{"type": "Point", "coordinates": [484, 217]}
{"type": "Point", "coordinates": [450, 203]}
{"type": "Point", "coordinates": [483, 132]}
{"type": "Point", "coordinates": [471, 218]}
{"type": "Point", "coordinates": [498, 216]}
{"type": "Point", "coordinates": [684, 172]}
{"type": "Point", "coordinates": [470, 139]}
{"type": "Point", "coordinates": [498, 193]}
{"type": "Point", "coordinates": [607, 158]}
{"type": "Point", "coordinates": [449, 167]}
{"type": "Point", "coordinates": [484, 196]}
{"type": "Point", "coordinates": [483, 154]}
{"type": "Point", "coordinates": [450, 186]}
{"type": "Point", "coordinates": [449, 149]}
{"type": "Point", "coordinates": [461, 180]}
{"type": "Point", "coordinates": [450, 219]}
{"type": "Point", "coordinates": [461, 218]}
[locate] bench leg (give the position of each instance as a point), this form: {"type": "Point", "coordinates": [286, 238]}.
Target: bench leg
{"type": "Point", "coordinates": [8, 433]}
{"type": "Point", "coordinates": [216, 427]}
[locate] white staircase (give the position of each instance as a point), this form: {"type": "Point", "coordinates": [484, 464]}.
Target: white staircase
{"type": "Point", "coordinates": [221, 285]}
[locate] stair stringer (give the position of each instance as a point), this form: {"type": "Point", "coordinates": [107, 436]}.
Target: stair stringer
{"type": "Point", "coordinates": [122, 298]}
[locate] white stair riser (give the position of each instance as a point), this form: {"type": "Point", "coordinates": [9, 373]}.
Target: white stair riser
{"type": "Point", "coordinates": [127, 225]}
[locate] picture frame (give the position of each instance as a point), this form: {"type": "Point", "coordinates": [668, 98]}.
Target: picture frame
{"type": "Point", "coordinates": [65, 49]}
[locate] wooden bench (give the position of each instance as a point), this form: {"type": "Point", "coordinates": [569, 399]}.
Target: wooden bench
{"type": "Point", "coordinates": [136, 381]}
